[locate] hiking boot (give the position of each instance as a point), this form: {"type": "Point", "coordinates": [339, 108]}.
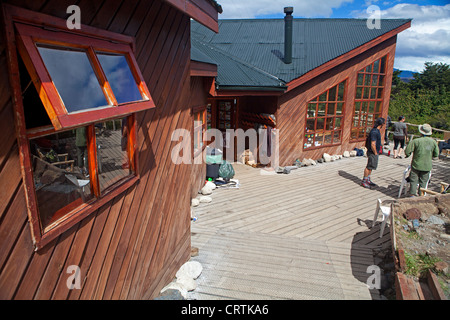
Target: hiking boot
{"type": "Point", "coordinates": [365, 184]}
{"type": "Point", "coordinates": [372, 184]}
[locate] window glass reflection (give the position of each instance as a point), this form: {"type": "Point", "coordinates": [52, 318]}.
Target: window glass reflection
{"type": "Point", "coordinates": [74, 78]}
{"type": "Point", "coordinates": [112, 158]}
{"type": "Point", "coordinates": [60, 174]}
{"type": "Point", "coordinates": [120, 78]}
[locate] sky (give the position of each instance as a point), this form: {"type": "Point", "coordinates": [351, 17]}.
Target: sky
{"type": "Point", "coordinates": [428, 39]}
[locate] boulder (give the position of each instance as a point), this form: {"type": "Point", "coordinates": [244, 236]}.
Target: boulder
{"type": "Point", "coordinates": [353, 153]}
{"type": "Point", "coordinates": [313, 163]}
{"type": "Point", "coordinates": [205, 199]}
{"type": "Point", "coordinates": [327, 157]}
{"type": "Point", "coordinates": [346, 154]}
{"type": "Point", "coordinates": [195, 202]}
{"type": "Point", "coordinates": [306, 162]}
{"type": "Point", "coordinates": [191, 269]}
{"type": "Point", "coordinates": [206, 190]}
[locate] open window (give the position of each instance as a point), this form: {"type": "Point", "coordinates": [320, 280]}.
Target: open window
{"type": "Point", "coordinates": [77, 94]}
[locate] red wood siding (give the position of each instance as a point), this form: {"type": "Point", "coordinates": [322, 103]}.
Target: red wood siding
{"type": "Point", "coordinates": [132, 246]}
{"type": "Point", "coordinates": [291, 114]}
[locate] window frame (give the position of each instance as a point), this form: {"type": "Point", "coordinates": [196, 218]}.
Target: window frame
{"type": "Point", "coordinates": [199, 131]}
{"type": "Point", "coordinates": [28, 36]}
{"type": "Point", "coordinates": [11, 16]}
{"type": "Point", "coordinates": [316, 100]}
{"type": "Point", "coordinates": [361, 100]}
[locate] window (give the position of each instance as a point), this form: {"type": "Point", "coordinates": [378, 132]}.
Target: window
{"type": "Point", "coordinates": [199, 130]}
{"type": "Point", "coordinates": [81, 79]}
{"type": "Point", "coordinates": [368, 98]}
{"type": "Point", "coordinates": [77, 97]}
{"type": "Point", "coordinates": [324, 118]}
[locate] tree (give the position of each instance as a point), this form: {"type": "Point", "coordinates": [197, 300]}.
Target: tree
{"type": "Point", "coordinates": [434, 76]}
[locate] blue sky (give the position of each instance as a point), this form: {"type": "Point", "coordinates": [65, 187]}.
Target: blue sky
{"type": "Point", "coordinates": [428, 39]}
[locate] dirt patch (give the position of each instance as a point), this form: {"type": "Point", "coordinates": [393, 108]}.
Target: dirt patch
{"type": "Point", "coordinates": [422, 230]}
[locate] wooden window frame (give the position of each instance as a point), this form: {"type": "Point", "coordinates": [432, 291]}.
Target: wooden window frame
{"type": "Point", "coordinates": [61, 120]}
{"type": "Point", "coordinates": [199, 132]}
{"type": "Point", "coordinates": [316, 101]}
{"type": "Point", "coordinates": [364, 103]}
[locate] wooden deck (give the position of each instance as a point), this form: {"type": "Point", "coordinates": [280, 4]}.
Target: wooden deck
{"type": "Point", "coordinates": [304, 235]}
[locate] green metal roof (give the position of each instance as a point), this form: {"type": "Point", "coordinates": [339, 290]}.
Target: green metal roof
{"type": "Point", "coordinates": [249, 52]}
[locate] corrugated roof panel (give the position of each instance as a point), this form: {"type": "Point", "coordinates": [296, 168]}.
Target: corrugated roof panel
{"type": "Point", "coordinates": [259, 44]}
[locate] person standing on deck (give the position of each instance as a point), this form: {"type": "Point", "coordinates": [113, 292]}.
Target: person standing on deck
{"type": "Point", "coordinates": [400, 135]}
{"type": "Point", "coordinates": [424, 149]}
{"type": "Point", "coordinates": [374, 148]}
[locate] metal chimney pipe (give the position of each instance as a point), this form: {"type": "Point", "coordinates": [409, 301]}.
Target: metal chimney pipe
{"type": "Point", "coordinates": [288, 34]}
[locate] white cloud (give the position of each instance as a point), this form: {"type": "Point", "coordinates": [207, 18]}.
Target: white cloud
{"type": "Point", "coordinates": [245, 9]}
{"type": "Point", "coordinates": [428, 39]}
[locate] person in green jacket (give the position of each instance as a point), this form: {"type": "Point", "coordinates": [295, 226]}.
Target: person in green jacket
{"type": "Point", "coordinates": [423, 150]}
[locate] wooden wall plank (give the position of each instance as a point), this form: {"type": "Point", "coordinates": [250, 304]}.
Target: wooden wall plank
{"type": "Point", "coordinates": [11, 176]}
{"type": "Point", "coordinates": [16, 265]}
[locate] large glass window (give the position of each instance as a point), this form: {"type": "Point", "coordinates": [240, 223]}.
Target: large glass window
{"type": "Point", "coordinates": [324, 118]}
{"type": "Point", "coordinates": [369, 98]}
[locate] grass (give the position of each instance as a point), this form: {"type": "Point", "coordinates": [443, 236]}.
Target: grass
{"type": "Point", "coordinates": [417, 264]}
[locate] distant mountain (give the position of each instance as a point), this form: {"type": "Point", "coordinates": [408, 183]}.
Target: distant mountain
{"type": "Point", "coordinates": [406, 76]}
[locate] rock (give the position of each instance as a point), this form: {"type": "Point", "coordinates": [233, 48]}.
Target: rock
{"type": "Point", "coordinates": [435, 220]}
{"type": "Point", "coordinates": [412, 213]}
{"type": "Point", "coordinates": [194, 251]}
{"type": "Point", "coordinates": [313, 163]}
{"type": "Point", "coordinates": [206, 190]}
{"type": "Point", "coordinates": [327, 157]}
{"type": "Point", "coordinates": [187, 283]}
{"type": "Point", "coordinates": [191, 269]}
{"type": "Point", "coordinates": [195, 202]}
{"type": "Point", "coordinates": [445, 236]}
{"type": "Point", "coordinates": [205, 199]}
{"type": "Point", "coordinates": [170, 294]}
{"type": "Point", "coordinates": [211, 184]}
{"type": "Point", "coordinates": [441, 266]}
{"type": "Point", "coordinates": [306, 162]}
{"type": "Point", "coordinates": [175, 286]}
{"type": "Point", "coordinates": [353, 153]}
{"type": "Point", "coordinates": [320, 160]}
{"type": "Point", "coordinates": [346, 154]}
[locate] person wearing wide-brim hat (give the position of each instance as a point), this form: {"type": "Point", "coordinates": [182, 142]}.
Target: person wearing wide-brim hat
{"type": "Point", "coordinates": [423, 149]}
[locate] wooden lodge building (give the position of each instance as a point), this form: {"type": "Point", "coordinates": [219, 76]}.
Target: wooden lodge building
{"type": "Point", "coordinates": [320, 82]}
{"type": "Point", "coordinates": [91, 204]}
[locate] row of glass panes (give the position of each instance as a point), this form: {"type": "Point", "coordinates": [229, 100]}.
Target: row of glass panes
{"type": "Point", "coordinates": [322, 109]}
{"type": "Point", "coordinates": [367, 106]}
{"type": "Point", "coordinates": [374, 80]}
{"type": "Point", "coordinates": [336, 93]}
{"type": "Point", "coordinates": [319, 139]}
{"type": "Point", "coordinates": [378, 66]}
{"type": "Point", "coordinates": [369, 93]}
{"type": "Point", "coordinates": [320, 124]}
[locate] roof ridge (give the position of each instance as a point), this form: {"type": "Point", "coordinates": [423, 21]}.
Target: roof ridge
{"type": "Point", "coordinates": [234, 58]}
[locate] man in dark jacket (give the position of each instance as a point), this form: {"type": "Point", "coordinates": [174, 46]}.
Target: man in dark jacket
{"type": "Point", "coordinates": [374, 148]}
